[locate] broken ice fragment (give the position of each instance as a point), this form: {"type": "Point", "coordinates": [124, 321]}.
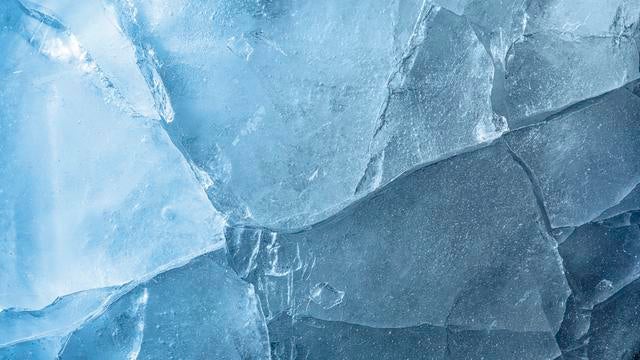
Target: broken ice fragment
{"type": "Point", "coordinates": [547, 72]}
{"type": "Point", "coordinates": [615, 326]}
{"type": "Point", "coordinates": [586, 160]}
{"type": "Point", "coordinates": [325, 295]}
{"type": "Point", "coordinates": [77, 211]}
{"type": "Point", "coordinates": [430, 111]}
{"type": "Point", "coordinates": [600, 260]}
{"type": "Point", "coordinates": [199, 310]}
{"type": "Point", "coordinates": [472, 253]}
{"type": "Point", "coordinates": [113, 54]}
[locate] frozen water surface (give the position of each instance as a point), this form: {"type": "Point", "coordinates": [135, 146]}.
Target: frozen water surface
{"type": "Point", "coordinates": [340, 179]}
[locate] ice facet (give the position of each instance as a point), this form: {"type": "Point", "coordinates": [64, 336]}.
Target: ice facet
{"type": "Point", "coordinates": [430, 112]}
{"type": "Point", "coordinates": [466, 239]}
{"type": "Point", "coordinates": [615, 326]}
{"type": "Point", "coordinates": [601, 260]}
{"type": "Point", "coordinates": [586, 160]}
{"type": "Point", "coordinates": [549, 71]}
{"type": "Point", "coordinates": [90, 194]}
{"type": "Point", "coordinates": [199, 310]}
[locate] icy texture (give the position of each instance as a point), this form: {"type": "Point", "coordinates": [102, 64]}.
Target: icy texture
{"type": "Point", "coordinates": [87, 190]}
{"type": "Point", "coordinates": [490, 269]}
{"type": "Point", "coordinates": [586, 160]}
{"type": "Point", "coordinates": [200, 310]}
{"type": "Point", "coordinates": [171, 315]}
{"type": "Point", "coordinates": [430, 113]}
{"type": "Point", "coordinates": [615, 328]}
{"type": "Point", "coordinates": [403, 179]}
{"type": "Point", "coordinates": [280, 102]}
{"type": "Point", "coordinates": [548, 71]}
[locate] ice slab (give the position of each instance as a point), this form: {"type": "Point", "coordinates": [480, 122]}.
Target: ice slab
{"type": "Point", "coordinates": [107, 47]}
{"type": "Point", "coordinates": [600, 260]}
{"type": "Point", "coordinates": [615, 326]}
{"type": "Point", "coordinates": [548, 71]}
{"type": "Point", "coordinates": [90, 195]}
{"type": "Point", "coordinates": [292, 91]}
{"type": "Point", "coordinates": [57, 319]}
{"type": "Point", "coordinates": [586, 160]}
{"type": "Point", "coordinates": [470, 253]}
{"type": "Point", "coordinates": [584, 18]}
{"type": "Point", "coordinates": [431, 111]}
{"type": "Point", "coordinates": [200, 310]}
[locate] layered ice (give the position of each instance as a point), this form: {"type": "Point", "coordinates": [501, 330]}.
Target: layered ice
{"type": "Point", "coordinates": [586, 160]}
{"type": "Point", "coordinates": [472, 256]}
{"type": "Point", "coordinates": [456, 179]}
{"type": "Point", "coordinates": [91, 194]}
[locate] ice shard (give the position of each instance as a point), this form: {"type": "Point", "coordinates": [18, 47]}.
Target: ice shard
{"type": "Point", "coordinates": [91, 194]}
{"type": "Point", "coordinates": [200, 310]}
{"type": "Point", "coordinates": [430, 112]}
{"type": "Point", "coordinates": [299, 101]}
{"type": "Point", "coordinates": [471, 255]}
{"type": "Point", "coordinates": [615, 326]}
{"type": "Point", "coordinates": [548, 71]}
{"type": "Point", "coordinates": [585, 160]}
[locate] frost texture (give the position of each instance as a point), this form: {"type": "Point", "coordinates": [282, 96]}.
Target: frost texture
{"type": "Point", "coordinates": [279, 179]}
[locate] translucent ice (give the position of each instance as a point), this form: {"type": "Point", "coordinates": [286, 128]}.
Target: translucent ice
{"type": "Point", "coordinates": [200, 310]}
{"type": "Point", "coordinates": [91, 195]}
{"type": "Point", "coordinates": [586, 160]}
{"type": "Point", "coordinates": [280, 101]}
{"type": "Point", "coordinates": [549, 71]}
{"type": "Point", "coordinates": [470, 255]}
{"type": "Point", "coordinates": [430, 113]}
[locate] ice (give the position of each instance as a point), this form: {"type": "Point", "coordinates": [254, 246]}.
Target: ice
{"type": "Point", "coordinates": [472, 255]}
{"type": "Point", "coordinates": [586, 160]}
{"type": "Point", "coordinates": [293, 92]}
{"type": "Point", "coordinates": [91, 195]}
{"type": "Point", "coordinates": [549, 71]}
{"type": "Point", "coordinates": [200, 310]}
{"type": "Point", "coordinates": [586, 18]}
{"type": "Point", "coordinates": [114, 55]}
{"type": "Point", "coordinates": [601, 260]}
{"type": "Point", "coordinates": [430, 112]}
{"type": "Point", "coordinates": [318, 339]}
{"type": "Point", "coordinates": [615, 326]}
{"type": "Point", "coordinates": [58, 318]}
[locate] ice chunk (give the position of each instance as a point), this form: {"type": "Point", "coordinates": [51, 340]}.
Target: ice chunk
{"type": "Point", "coordinates": [200, 310]}
{"type": "Point", "coordinates": [586, 160]}
{"type": "Point", "coordinates": [615, 326]}
{"type": "Point", "coordinates": [309, 338]}
{"type": "Point", "coordinates": [430, 112]}
{"type": "Point", "coordinates": [547, 71]}
{"type": "Point", "coordinates": [586, 18]}
{"type": "Point", "coordinates": [280, 111]}
{"type": "Point", "coordinates": [101, 39]}
{"type": "Point", "coordinates": [41, 348]}
{"type": "Point", "coordinates": [90, 195]}
{"type": "Point", "coordinates": [630, 202]}
{"type": "Point", "coordinates": [600, 261]}
{"type": "Point", "coordinates": [471, 253]}
{"type": "Point", "coordinates": [325, 295]}
{"type": "Point", "coordinates": [276, 101]}
{"type": "Point", "coordinates": [59, 318]}
{"type": "Point", "coordinates": [498, 23]}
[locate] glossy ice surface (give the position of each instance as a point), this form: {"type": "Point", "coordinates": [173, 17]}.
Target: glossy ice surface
{"type": "Point", "coordinates": [339, 179]}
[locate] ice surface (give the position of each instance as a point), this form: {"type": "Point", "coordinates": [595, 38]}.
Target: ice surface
{"type": "Point", "coordinates": [430, 112]}
{"type": "Point", "coordinates": [615, 326]}
{"type": "Point", "coordinates": [88, 191]}
{"type": "Point", "coordinates": [473, 254]}
{"type": "Point", "coordinates": [200, 310]}
{"type": "Point", "coordinates": [586, 160]}
{"type": "Point", "coordinates": [548, 71]}
{"type": "Point", "coordinates": [402, 179]}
